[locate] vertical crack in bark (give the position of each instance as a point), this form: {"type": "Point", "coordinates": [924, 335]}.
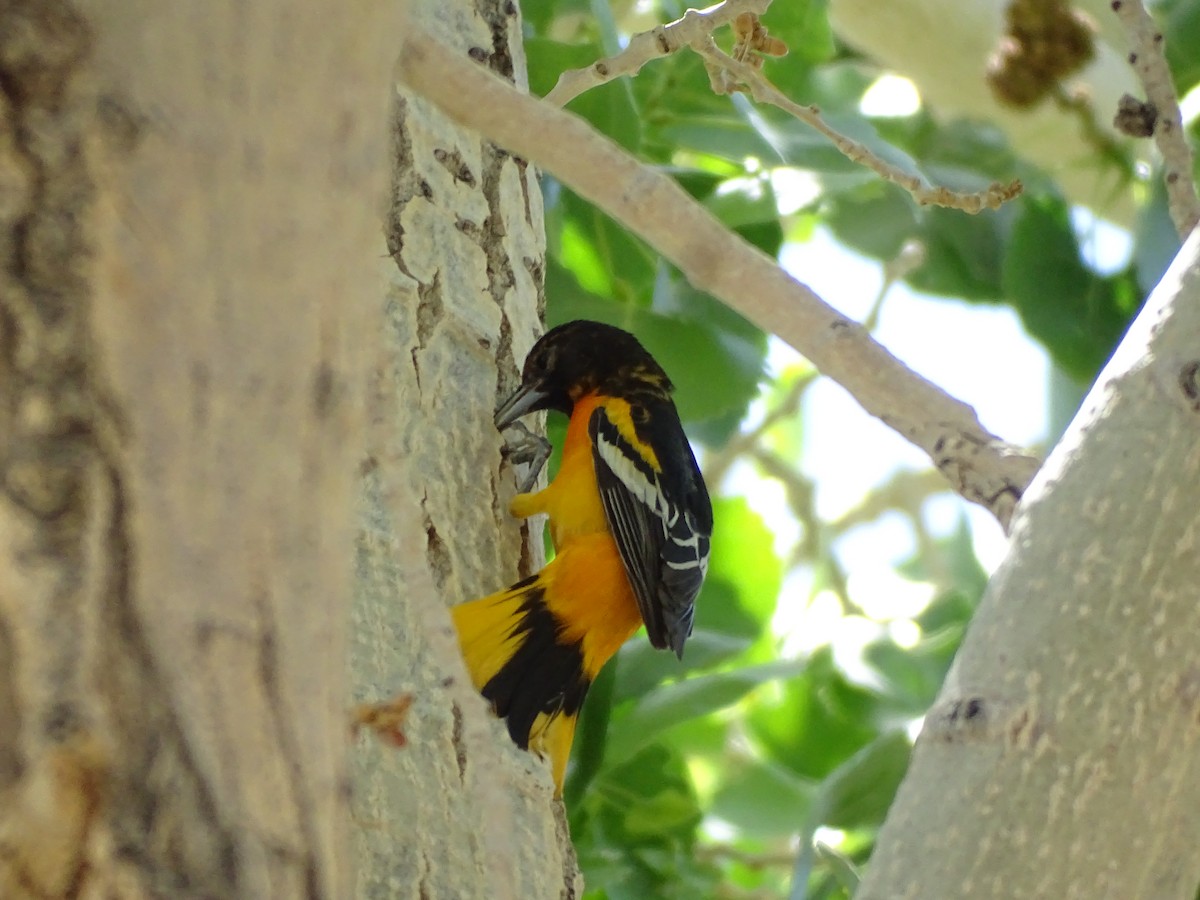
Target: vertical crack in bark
{"type": "Point", "coordinates": [436, 552]}
{"type": "Point", "coordinates": [94, 743]}
{"type": "Point", "coordinates": [164, 816]}
{"type": "Point", "coordinates": [285, 738]}
{"type": "Point", "coordinates": [404, 182]}
{"type": "Point", "coordinates": [457, 738]}
{"type": "Point", "coordinates": [494, 231]}
{"type": "Point", "coordinates": [430, 309]}
{"type": "Point", "coordinates": [11, 764]}
{"type": "Point", "coordinates": [499, 20]}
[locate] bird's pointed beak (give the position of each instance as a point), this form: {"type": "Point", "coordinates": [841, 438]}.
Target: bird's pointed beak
{"type": "Point", "coordinates": [526, 399]}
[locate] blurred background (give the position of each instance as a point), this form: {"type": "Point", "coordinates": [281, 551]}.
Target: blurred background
{"type": "Point", "coordinates": [843, 572]}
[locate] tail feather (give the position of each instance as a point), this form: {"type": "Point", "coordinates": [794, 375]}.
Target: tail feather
{"type": "Point", "coordinates": [521, 662]}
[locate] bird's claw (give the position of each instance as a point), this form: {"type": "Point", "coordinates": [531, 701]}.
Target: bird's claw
{"type": "Point", "coordinates": [525, 447]}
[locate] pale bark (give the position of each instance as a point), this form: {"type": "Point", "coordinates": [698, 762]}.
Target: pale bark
{"type": "Point", "coordinates": [188, 236]}
{"type": "Point", "coordinates": [650, 203]}
{"type": "Point", "coordinates": [1061, 757]}
{"type": "Point", "coordinates": [459, 812]}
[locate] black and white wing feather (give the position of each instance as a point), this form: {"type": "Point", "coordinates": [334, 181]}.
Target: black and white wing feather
{"type": "Point", "coordinates": [660, 516]}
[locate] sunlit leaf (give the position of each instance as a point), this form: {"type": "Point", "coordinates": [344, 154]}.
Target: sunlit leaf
{"type": "Point", "coordinates": [744, 574]}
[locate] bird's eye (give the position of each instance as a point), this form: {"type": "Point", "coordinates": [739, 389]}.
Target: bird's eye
{"type": "Point", "coordinates": [542, 362]}
{"type": "Point", "coordinates": [535, 365]}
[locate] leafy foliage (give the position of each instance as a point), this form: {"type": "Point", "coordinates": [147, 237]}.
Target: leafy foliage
{"type": "Point", "coordinates": [753, 768]}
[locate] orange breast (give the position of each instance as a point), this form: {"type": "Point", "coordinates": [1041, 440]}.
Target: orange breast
{"type": "Point", "coordinates": [592, 598]}
{"type": "Point", "coordinates": [572, 499]}
{"type": "Point", "coordinates": [591, 594]}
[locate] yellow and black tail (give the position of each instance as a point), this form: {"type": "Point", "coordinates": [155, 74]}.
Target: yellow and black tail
{"type": "Point", "coordinates": [511, 642]}
{"type": "Point", "coordinates": [534, 650]}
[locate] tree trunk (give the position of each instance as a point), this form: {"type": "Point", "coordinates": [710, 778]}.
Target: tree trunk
{"type": "Point", "coordinates": [459, 812]}
{"type": "Point", "coordinates": [189, 240]}
{"type": "Point", "coordinates": [1061, 757]}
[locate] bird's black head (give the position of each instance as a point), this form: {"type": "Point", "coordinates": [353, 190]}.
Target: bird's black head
{"type": "Point", "coordinates": [574, 360]}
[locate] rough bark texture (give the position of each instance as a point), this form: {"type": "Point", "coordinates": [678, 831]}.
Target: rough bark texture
{"type": "Point", "coordinates": [186, 240]}
{"type": "Point", "coordinates": [459, 812]}
{"type": "Point", "coordinates": [1061, 758]}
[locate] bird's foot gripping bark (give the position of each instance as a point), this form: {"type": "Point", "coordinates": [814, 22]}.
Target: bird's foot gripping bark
{"type": "Point", "coordinates": [523, 447]}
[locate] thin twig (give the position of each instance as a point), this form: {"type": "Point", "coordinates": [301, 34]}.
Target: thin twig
{"type": "Point", "coordinates": [650, 45]}
{"type": "Point", "coordinates": [722, 65]}
{"type": "Point", "coordinates": [816, 547]}
{"type": "Point", "coordinates": [1150, 64]}
{"type": "Point", "coordinates": [905, 491]}
{"type": "Point", "coordinates": [652, 205]}
{"type": "Point", "coordinates": [716, 466]}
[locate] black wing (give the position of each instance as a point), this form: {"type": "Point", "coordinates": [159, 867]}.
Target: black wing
{"type": "Point", "coordinates": [661, 518]}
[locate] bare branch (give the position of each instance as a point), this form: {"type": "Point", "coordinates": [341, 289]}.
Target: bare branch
{"type": "Point", "coordinates": [649, 45]}
{"type": "Point", "coordinates": [1150, 64]}
{"type": "Point", "coordinates": [722, 66]}
{"type": "Point", "coordinates": [982, 468]}
{"type": "Point", "coordinates": [731, 73]}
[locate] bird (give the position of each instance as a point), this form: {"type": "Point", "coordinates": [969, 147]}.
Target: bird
{"type": "Point", "coordinates": [631, 522]}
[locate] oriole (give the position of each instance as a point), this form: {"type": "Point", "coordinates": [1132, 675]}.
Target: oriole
{"type": "Point", "coordinates": [630, 519]}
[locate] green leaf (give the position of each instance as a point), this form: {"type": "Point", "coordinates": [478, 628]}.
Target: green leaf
{"type": "Point", "coordinates": [611, 108]}
{"type": "Point", "coordinates": [1181, 25]}
{"type": "Point", "coordinates": [958, 145]}
{"type": "Point", "coordinates": [591, 734]}
{"type": "Point", "coordinates": [642, 667]}
{"type": "Point", "coordinates": [951, 610]}
{"type": "Point", "coordinates": [913, 675]}
{"type": "Point", "coordinates": [540, 15]}
{"type": "Point", "coordinates": [748, 206]}
{"type": "Point", "coordinates": [668, 810]}
{"type": "Point", "coordinates": [952, 555]}
{"type": "Point", "coordinates": [962, 254]}
{"type": "Point", "coordinates": [650, 795]}
{"type": "Point", "coordinates": [681, 112]}
{"type": "Point", "coordinates": [858, 793]}
{"type": "Point", "coordinates": [875, 220]}
{"type": "Point", "coordinates": [635, 834]}
{"type": "Point", "coordinates": [761, 799]}
{"type": "Point", "coordinates": [725, 135]}
{"type": "Point", "coordinates": [817, 720]}
{"type": "Point", "coordinates": [1078, 315]}
{"type": "Point", "coordinates": [804, 26]}
{"type": "Point", "coordinates": [672, 704]}
{"type": "Point", "coordinates": [842, 867]}
{"type": "Point", "coordinates": [743, 202]}
{"type": "Point", "coordinates": [744, 574]}
{"type": "Point", "coordinates": [605, 259]}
